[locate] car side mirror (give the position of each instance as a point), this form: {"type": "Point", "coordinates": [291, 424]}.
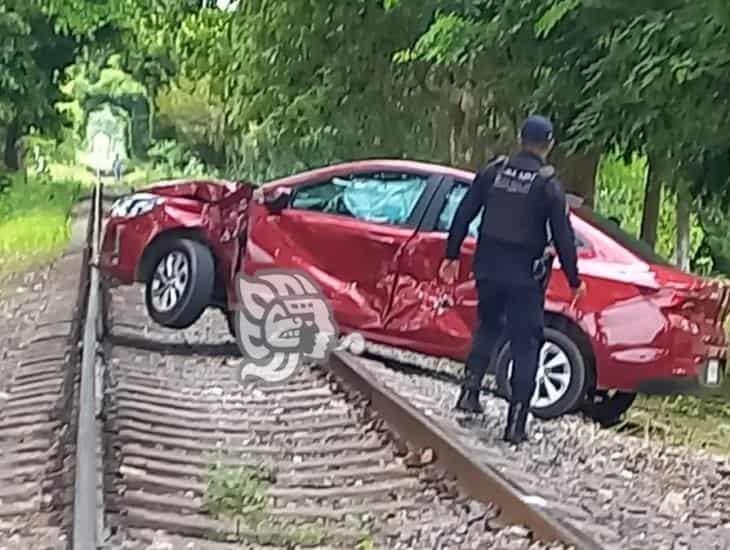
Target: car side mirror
{"type": "Point", "coordinates": [274, 201]}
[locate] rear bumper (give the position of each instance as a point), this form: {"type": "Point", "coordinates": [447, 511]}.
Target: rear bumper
{"type": "Point", "coordinates": [707, 380]}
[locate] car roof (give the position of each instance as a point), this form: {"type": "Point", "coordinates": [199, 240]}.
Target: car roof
{"type": "Point", "coordinates": [367, 165]}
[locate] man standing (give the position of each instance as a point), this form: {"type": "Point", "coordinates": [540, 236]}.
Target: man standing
{"type": "Point", "coordinates": [520, 197]}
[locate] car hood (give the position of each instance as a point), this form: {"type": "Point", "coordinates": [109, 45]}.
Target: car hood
{"type": "Point", "coordinates": [198, 190]}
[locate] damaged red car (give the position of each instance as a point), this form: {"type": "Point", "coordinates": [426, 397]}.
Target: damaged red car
{"type": "Point", "coordinates": [373, 233]}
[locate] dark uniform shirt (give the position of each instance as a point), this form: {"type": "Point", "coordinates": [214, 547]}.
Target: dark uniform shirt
{"type": "Point", "coordinates": [504, 262]}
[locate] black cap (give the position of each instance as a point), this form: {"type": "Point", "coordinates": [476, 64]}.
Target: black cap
{"type": "Point", "coordinates": [537, 129]}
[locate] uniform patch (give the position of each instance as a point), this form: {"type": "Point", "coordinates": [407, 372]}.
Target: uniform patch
{"type": "Point", "coordinates": [513, 180]}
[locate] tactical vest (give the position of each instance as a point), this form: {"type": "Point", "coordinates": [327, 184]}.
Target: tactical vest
{"type": "Point", "coordinates": [516, 209]}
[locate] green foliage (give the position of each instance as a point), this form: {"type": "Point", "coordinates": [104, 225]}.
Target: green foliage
{"type": "Point", "coordinates": [682, 420]}
{"type": "Point", "coordinates": [34, 219]}
{"type": "Point", "coordinates": [30, 55]}
{"type": "Point", "coordinates": [195, 115]}
{"type": "Point", "coordinates": [172, 159]}
{"type": "Point", "coordinates": [716, 226]}
{"type": "Point", "coordinates": [620, 193]}
{"type": "Point", "coordinates": [238, 491]}
{"type": "Point", "coordinates": [110, 99]}
{"type": "Point", "coordinates": [554, 14]}
{"type": "Point", "coordinates": [305, 80]}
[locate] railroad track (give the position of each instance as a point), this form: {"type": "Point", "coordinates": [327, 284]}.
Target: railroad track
{"type": "Point", "coordinates": [147, 440]}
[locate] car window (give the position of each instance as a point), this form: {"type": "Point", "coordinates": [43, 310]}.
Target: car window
{"type": "Point", "coordinates": [448, 212]}
{"type": "Point", "coordinates": [388, 198]}
{"type": "Point", "coordinates": [636, 246]}
{"type": "Point", "coordinates": [452, 203]}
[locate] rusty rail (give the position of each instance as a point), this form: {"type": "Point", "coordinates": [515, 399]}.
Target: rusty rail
{"type": "Point", "coordinates": [479, 481]}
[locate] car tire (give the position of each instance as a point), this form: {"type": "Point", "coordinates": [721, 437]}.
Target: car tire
{"type": "Point", "coordinates": [570, 373]}
{"type": "Point", "coordinates": [607, 409]}
{"type": "Point", "coordinates": [186, 270]}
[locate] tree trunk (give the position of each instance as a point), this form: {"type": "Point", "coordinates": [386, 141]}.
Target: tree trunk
{"type": "Point", "coordinates": [11, 152]}
{"type": "Point", "coordinates": [577, 173]}
{"type": "Point", "coordinates": [652, 201]}
{"type": "Point", "coordinates": [151, 123]}
{"type": "Point", "coordinates": [684, 202]}
{"type": "Point", "coordinates": [456, 120]}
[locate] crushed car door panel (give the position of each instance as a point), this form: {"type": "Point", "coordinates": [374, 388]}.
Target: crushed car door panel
{"type": "Point", "coordinates": [347, 233]}
{"type": "Point", "coordinates": [433, 317]}
{"type": "Point", "coordinates": [226, 224]}
{"type": "Point", "coordinates": [437, 317]}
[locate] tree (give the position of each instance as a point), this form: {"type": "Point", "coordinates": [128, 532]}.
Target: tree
{"type": "Point", "coordinates": [31, 56]}
{"type": "Point", "coordinates": [315, 83]}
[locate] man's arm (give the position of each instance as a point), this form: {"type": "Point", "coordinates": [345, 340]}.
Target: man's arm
{"type": "Point", "coordinates": [563, 234]}
{"type": "Point", "coordinates": [468, 209]}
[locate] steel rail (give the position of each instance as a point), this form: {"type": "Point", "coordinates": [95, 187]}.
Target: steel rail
{"type": "Point", "coordinates": [478, 480]}
{"type": "Point", "coordinates": [85, 482]}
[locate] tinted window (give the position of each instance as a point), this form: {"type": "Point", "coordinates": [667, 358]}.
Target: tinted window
{"type": "Point", "coordinates": [631, 243]}
{"type": "Point", "coordinates": [449, 211]}
{"type": "Point", "coordinates": [388, 198]}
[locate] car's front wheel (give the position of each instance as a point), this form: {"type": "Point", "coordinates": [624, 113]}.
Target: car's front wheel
{"type": "Point", "coordinates": [180, 285]}
{"type": "Point", "coordinates": [561, 376]}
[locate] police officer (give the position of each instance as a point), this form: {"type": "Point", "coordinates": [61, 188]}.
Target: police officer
{"type": "Point", "coordinates": [522, 201]}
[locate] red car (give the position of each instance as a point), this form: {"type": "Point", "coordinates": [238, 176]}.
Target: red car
{"type": "Point", "coordinates": [373, 233]}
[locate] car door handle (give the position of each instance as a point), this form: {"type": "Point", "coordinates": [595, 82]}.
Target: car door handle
{"type": "Point", "coordinates": [383, 239]}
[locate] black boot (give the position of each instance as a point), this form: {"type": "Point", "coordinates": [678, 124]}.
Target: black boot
{"type": "Point", "coordinates": [469, 401]}
{"type": "Point", "coordinates": [516, 420]}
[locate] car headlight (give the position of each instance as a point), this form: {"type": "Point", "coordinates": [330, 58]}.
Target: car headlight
{"type": "Point", "coordinates": [134, 205]}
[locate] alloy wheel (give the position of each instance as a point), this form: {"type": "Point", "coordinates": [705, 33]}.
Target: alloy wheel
{"type": "Point", "coordinates": [170, 280]}
{"type": "Point", "coordinates": [553, 376]}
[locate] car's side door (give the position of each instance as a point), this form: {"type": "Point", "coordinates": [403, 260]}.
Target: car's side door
{"type": "Point", "coordinates": [347, 232]}
{"type": "Point", "coordinates": [437, 318]}
{"type": "Point", "coordinates": [428, 315]}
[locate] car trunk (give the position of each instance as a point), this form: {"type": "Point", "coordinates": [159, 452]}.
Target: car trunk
{"type": "Point", "coordinates": [702, 299]}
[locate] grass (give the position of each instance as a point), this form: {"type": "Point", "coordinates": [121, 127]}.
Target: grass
{"type": "Point", "coordinates": [34, 221]}
{"type": "Point", "coordinates": [240, 494]}
{"type": "Point", "coordinates": [34, 214]}
{"type": "Point", "coordinates": [695, 422]}
{"type": "Point", "coordinates": [138, 176]}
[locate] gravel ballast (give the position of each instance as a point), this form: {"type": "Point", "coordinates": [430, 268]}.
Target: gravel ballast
{"type": "Point", "coordinates": [624, 491]}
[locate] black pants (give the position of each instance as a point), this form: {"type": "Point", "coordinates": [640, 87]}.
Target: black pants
{"type": "Point", "coordinates": [523, 308]}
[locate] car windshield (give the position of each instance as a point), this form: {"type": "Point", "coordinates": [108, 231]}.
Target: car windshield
{"type": "Point", "coordinates": [631, 243]}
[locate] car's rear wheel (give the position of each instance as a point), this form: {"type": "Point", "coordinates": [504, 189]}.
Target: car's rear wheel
{"type": "Point", "coordinates": [608, 407]}
{"type": "Point", "coordinates": [561, 376]}
{"type": "Point", "coordinates": [180, 284]}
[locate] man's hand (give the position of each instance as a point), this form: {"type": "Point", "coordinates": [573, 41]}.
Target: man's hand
{"type": "Point", "coordinates": [577, 294]}
{"type": "Point", "coordinates": [449, 271]}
